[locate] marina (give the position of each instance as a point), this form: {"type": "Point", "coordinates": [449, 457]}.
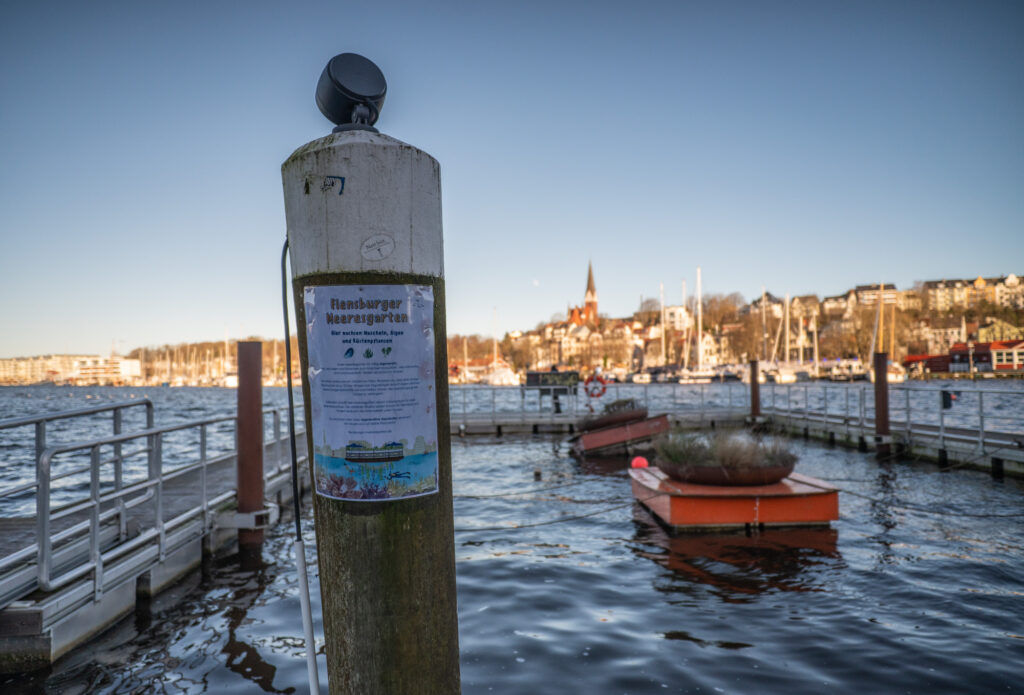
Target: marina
{"type": "Point", "coordinates": [982, 428]}
{"type": "Point", "coordinates": [564, 579]}
{"type": "Point", "coordinates": [499, 515]}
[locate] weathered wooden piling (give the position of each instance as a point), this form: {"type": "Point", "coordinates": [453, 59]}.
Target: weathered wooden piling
{"type": "Point", "coordinates": [883, 438]}
{"type": "Point", "coordinates": [364, 221]}
{"type": "Point", "coordinates": [250, 439]}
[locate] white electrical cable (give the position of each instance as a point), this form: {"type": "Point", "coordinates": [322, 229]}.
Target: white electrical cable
{"type": "Point", "coordinates": [307, 617]}
{"type": "Point", "coordinates": [298, 546]}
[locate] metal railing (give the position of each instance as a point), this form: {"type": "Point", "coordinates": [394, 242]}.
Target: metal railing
{"type": "Point", "coordinates": [512, 404]}
{"type": "Point", "coordinates": [39, 422]}
{"type": "Point", "coordinates": [976, 415]}
{"type": "Point", "coordinates": [119, 519]}
{"type": "Point", "coordinates": [100, 506]}
{"type": "Point", "coordinates": [980, 415]}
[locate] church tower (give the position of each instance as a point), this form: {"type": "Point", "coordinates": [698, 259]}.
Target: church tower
{"type": "Point", "coordinates": [590, 298]}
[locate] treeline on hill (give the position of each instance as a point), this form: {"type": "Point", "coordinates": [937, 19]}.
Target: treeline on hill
{"type": "Point", "coordinates": [721, 316]}
{"type": "Point", "coordinates": [204, 355]}
{"type": "Point", "coordinates": [746, 335]}
{"type": "Point", "coordinates": [474, 347]}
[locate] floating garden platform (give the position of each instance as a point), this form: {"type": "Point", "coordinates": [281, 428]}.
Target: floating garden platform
{"type": "Point", "coordinates": [796, 500]}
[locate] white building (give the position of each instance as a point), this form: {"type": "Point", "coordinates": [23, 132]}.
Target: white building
{"type": "Point", "coordinates": [678, 318]}
{"type": "Point", "coordinates": [107, 370]}
{"type": "Point", "coordinates": [38, 369]}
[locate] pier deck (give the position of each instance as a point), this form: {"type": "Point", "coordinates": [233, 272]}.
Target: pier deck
{"type": "Point", "coordinates": [990, 449]}
{"type": "Point", "coordinates": [71, 571]}
{"type": "Point", "coordinates": [991, 440]}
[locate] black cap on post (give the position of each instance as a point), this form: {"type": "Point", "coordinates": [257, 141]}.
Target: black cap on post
{"type": "Point", "coordinates": [351, 92]}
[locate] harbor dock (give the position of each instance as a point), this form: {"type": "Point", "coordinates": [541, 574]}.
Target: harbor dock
{"type": "Point", "coordinates": [104, 524]}
{"type": "Point", "coordinates": [103, 539]}
{"type": "Point", "coordinates": [983, 431]}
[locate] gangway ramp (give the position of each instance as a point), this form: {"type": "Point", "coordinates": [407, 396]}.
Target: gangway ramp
{"type": "Point", "coordinates": [119, 517]}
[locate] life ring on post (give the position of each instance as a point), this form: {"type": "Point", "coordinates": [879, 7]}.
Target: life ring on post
{"type": "Point", "coordinates": [595, 386]}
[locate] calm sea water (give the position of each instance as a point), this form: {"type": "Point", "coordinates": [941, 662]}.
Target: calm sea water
{"type": "Point", "coordinates": [917, 588]}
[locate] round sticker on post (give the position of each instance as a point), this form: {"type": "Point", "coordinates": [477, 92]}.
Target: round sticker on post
{"type": "Point", "coordinates": [377, 247]}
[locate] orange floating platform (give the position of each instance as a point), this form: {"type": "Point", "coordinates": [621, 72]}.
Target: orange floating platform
{"type": "Point", "coordinates": [797, 500]}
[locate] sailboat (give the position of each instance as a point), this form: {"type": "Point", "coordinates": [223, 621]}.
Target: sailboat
{"type": "Point", "coordinates": [784, 373]}
{"type": "Point", "coordinates": [498, 373]}
{"type": "Point", "coordinates": [894, 371]}
{"type": "Point", "coordinates": [700, 375]}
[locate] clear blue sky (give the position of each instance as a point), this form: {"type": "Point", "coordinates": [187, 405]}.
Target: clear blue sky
{"type": "Point", "coordinates": [807, 147]}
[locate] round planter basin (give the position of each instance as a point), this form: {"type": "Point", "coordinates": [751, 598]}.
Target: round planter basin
{"type": "Point", "coordinates": [717, 475]}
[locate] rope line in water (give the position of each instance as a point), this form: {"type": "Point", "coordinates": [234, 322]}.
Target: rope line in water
{"type": "Point", "coordinates": [550, 522]}
{"type": "Point", "coordinates": [917, 508]}
{"type": "Point", "coordinates": [924, 510]}
{"type": "Point", "coordinates": [513, 494]}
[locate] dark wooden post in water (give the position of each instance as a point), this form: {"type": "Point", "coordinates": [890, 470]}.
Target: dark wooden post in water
{"type": "Point", "coordinates": [250, 439]}
{"type": "Point", "coordinates": [755, 392]}
{"type": "Point", "coordinates": [364, 232]}
{"type": "Point", "coordinates": [883, 439]}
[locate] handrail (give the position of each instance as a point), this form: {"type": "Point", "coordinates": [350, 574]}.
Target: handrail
{"type": "Point", "coordinates": [982, 412]}
{"type": "Point", "coordinates": [120, 438]}
{"type": "Point", "coordinates": [102, 504]}
{"type": "Point", "coordinates": [99, 514]}
{"type": "Point", "coordinates": [78, 412]}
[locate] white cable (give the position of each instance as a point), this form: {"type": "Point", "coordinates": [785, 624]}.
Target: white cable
{"type": "Point", "coordinates": [307, 617]}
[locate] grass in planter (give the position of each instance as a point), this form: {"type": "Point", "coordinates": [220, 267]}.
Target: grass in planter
{"type": "Point", "coordinates": [729, 450]}
{"type": "Point", "coordinates": [775, 452]}
{"type": "Point", "coordinates": [691, 449]}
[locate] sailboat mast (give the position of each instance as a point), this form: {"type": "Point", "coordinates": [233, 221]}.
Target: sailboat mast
{"type": "Point", "coordinates": [700, 323]}
{"type": "Point", "coordinates": [785, 358]}
{"type": "Point", "coordinates": [661, 293]}
{"type": "Point", "coordinates": [815, 326]}
{"type": "Point", "coordinates": [764, 327]}
{"type": "Point", "coordinates": [892, 332]}
{"type": "Point", "coordinates": [881, 320]}
{"type": "Point", "coordinates": [685, 357]}
{"type": "Point", "coordinates": [494, 339]}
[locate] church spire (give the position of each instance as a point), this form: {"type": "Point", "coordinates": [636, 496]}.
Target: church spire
{"type": "Point", "coordinates": [590, 298]}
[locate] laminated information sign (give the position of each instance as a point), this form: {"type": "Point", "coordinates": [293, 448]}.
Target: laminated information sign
{"type": "Point", "coordinates": [371, 386]}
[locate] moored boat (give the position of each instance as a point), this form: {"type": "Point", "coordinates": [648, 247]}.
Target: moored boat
{"type": "Point", "coordinates": [615, 413]}
{"type": "Point", "coordinates": [619, 439]}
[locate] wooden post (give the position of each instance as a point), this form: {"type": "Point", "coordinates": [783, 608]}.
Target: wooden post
{"type": "Point", "coordinates": [882, 433]}
{"type": "Point", "coordinates": [364, 214]}
{"type": "Point", "coordinates": [250, 438]}
{"type": "Point", "coordinates": [755, 391]}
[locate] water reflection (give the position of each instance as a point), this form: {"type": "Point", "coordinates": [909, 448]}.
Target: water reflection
{"type": "Point", "coordinates": [882, 505]}
{"type": "Point", "coordinates": [604, 465]}
{"type": "Point", "coordinates": [735, 566]}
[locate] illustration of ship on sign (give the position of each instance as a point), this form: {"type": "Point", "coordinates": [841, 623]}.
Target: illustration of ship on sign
{"type": "Point", "coordinates": [358, 452]}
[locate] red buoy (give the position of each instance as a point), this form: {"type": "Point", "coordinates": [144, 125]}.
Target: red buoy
{"type": "Point", "coordinates": [639, 462]}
